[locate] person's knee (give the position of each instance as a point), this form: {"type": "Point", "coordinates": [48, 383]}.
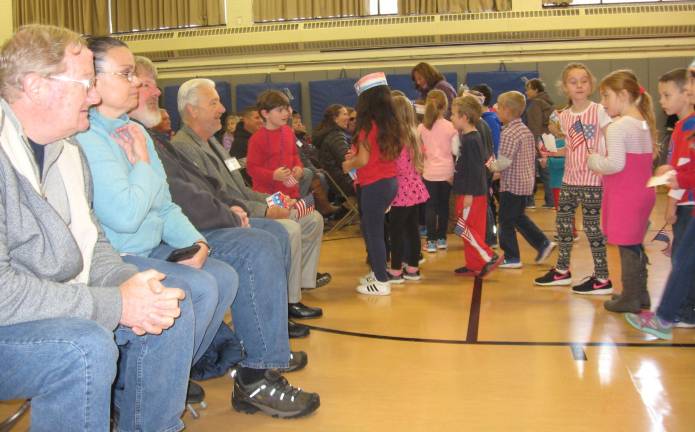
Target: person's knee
{"type": "Point", "coordinates": [89, 351]}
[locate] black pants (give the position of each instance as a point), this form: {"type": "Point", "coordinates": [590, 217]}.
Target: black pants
{"type": "Point", "coordinates": [375, 198]}
{"type": "Point", "coordinates": [437, 213]}
{"type": "Point", "coordinates": [512, 218]}
{"type": "Point", "coordinates": [405, 237]}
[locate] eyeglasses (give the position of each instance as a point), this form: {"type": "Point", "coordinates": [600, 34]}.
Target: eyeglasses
{"type": "Point", "coordinates": [88, 84]}
{"type": "Point", "coordinates": [129, 76]}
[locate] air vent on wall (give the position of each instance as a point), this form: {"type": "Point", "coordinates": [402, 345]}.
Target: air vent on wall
{"type": "Point", "coordinates": [361, 22]}
{"type": "Point", "coordinates": [146, 36]}
{"type": "Point", "coordinates": [662, 8]}
{"type": "Point", "coordinates": [509, 15]}
{"type": "Point", "coordinates": [237, 30]}
{"type": "Point", "coordinates": [654, 31]}
{"type": "Point", "coordinates": [350, 44]}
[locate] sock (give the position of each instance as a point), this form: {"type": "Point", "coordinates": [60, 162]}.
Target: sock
{"type": "Point", "coordinates": [249, 375]}
{"type": "Point", "coordinates": [561, 271]}
{"type": "Point", "coordinates": [411, 269]}
{"type": "Point", "coordinates": [395, 272]}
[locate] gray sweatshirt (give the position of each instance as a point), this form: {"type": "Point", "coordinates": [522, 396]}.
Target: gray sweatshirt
{"type": "Point", "coordinates": [38, 254]}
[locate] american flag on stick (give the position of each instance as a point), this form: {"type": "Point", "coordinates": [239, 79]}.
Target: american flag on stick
{"type": "Point", "coordinates": [576, 131]}
{"type": "Point", "coordinates": [290, 181]}
{"type": "Point", "coordinates": [663, 236]}
{"type": "Point", "coordinates": [304, 206]}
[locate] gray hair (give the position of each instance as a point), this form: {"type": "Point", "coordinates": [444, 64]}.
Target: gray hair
{"type": "Point", "coordinates": [145, 65]}
{"type": "Point", "coordinates": [35, 48]}
{"type": "Point", "coordinates": [188, 93]}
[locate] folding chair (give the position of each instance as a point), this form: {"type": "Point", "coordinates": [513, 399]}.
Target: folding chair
{"type": "Point", "coordinates": [352, 211]}
{"type": "Point", "coordinates": [12, 420]}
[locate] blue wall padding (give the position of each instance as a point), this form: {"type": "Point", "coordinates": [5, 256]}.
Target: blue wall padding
{"type": "Point", "coordinates": [246, 94]}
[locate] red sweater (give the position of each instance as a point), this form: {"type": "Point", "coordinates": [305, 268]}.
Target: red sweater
{"type": "Point", "coordinates": [268, 151]}
{"type": "Point", "coordinates": [376, 168]}
{"type": "Point", "coordinates": [686, 173]}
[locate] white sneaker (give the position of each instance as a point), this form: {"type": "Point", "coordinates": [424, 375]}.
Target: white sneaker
{"type": "Point", "coordinates": [375, 288]}
{"type": "Point", "coordinates": [368, 278]}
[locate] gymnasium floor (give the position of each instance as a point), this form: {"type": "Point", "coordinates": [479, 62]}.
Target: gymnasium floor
{"type": "Point", "coordinates": [445, 354]}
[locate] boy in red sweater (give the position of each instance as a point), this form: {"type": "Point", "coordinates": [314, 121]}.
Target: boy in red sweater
{"type": "Point", "coordinates": [273, 160]}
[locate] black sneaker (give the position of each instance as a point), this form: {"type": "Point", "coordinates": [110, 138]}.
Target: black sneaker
{"type": "Point", "coordinates": [465, 271]}
{"type": "Point", "coordinates": [395, 279]}
{"type": "Point", "coordinates": [274, 396]}
{"type": "Point", "coordinates": [411, 276]}
{"type": "Point", "coordinates": [593, 286]}
{"type": "Point", "coordinates": [489, 266]}
{"type": "Point", "coordinates": [298, 361]}
{"type": "Point", "coordinates": [554, 277]}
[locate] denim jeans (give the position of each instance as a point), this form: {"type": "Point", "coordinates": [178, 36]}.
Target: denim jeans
{"type": "Point", "coordinates": [211, 289]}
{"type": "Point", "coordinates": [375, 198]}
{"type": "Point", "coordinates": [67, 367]}
{"type": "Point", "coordinates": [680, 279]}
{"type": "Point", "coordinates": [259, 311]}
{"type": "Point", "coordinates": [513, 218]}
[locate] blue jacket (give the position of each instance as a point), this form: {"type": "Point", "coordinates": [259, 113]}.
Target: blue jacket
{"type": "Point", "coordinates": [132, 202]}
{"type": "Point", "coordinates": [493, 121]}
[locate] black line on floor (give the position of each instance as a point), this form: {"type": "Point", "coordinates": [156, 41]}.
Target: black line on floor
{"type": "Point", "coordinates": [578, 352]}
{"type": "Point", "coordinates": [502, 343]}
{"type": "Point", "coordinates": [474, 315]}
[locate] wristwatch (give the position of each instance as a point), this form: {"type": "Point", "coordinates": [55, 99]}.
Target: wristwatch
{"type": "Point", "coordinates": [203, 242]}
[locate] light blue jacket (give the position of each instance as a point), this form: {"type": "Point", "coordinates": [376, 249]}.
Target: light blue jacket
{"type": "Point", "coordinates": [132, 202]}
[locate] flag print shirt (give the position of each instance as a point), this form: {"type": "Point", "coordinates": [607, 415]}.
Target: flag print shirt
{"type": "Point", "coordinates": [583, 131]}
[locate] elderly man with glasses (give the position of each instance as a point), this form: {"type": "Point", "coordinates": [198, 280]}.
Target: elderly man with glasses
{"type": "Point", "coordinates": [73, 315]}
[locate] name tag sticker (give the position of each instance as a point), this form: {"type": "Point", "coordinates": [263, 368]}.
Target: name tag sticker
{"type": "Point", "coordinates": [232, 164]}
{"type": "Point", "coordinates": [299, 144]}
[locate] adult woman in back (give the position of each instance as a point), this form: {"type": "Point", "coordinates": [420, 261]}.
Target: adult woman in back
{"type": "Point", "coordinates": [426, 78]}
{"type": "Point", "coordinates": [329, 137]}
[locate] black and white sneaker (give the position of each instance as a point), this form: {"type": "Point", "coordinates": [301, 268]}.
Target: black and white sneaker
{"type": "Point", "coordinates": [554, 278]}
{"type": "Point", "coordinates": [411, 276]}
{"type": "Point", "coordinates": [273, 396]}
{"type": "Point", "coordinates": [592, 286]}
{"type": "Point", "coordinates": [375, 288]}
{"type": "Point", "coordinates": [395, 279]}
{"type": "Point", "coordinates": [545, 252]}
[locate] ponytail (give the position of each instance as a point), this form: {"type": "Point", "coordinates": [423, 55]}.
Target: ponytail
{"type": "Point", "coordinates": [646, 108]}
{"type": "Point", "coordinates": [435, 107]}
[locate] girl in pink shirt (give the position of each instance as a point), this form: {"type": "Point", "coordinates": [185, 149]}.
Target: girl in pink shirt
{"type": "Point", "coordinates": [436, 133]}
{"type": "Point", "coordinates": [403, 223]}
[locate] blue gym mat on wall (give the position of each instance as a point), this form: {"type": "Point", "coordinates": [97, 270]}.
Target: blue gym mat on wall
{"type": "Point", "coordinates": [341, 91]}
{"type": "Point", "coordinates": [246, 94]}
{"type": "Point", "coordinates": [171, 92]}
{"type": "Point", "coordinates": [501, 81]}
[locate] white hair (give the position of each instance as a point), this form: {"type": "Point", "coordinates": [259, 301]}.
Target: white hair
{"type": "Point", "coordinates": [188, 93]}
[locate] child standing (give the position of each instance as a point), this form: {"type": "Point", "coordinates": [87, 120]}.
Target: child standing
{"type": "Point", "coordinates": [516, 163]}
{"type": "Point", "coordinates": [436, 133]}
{"type": "Point", "coordinates": [376, 145]}
{"type": "Point", "coordinates": [675, 99]}
{"type": "Point", "coordinates": [273, 159]}
{"type": "Point", "coordinates": [627, 202]}
{"type": "Point", "coordinates": [582, 124]}
{"type": "Point", "coordinates": [470, 187]}
{"type": "Point", "coordinates": [403, 223]}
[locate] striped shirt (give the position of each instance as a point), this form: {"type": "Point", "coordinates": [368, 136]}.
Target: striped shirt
{"type": "Point", "coordinates": [583, 130]}
{"type": "Point", "coordinates": [518, 145]}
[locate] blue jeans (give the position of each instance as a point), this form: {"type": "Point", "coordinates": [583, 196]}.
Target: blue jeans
{"type": "Point", "coordinates": [513, 218]}
{"type": "Point", "coordinates": [259, 311]}
{"type": "Point", "coordinates": [680, 279]}
{"type": "Point", "coordinates": [211, 289]}
{"type": "Point", "coordinates": [67, 367]}
{"type": "Point", "coordinates": [375, 198]}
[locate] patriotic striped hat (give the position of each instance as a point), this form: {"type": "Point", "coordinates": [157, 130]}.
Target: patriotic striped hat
{"type": "Point", "coordinates": [371, 80]}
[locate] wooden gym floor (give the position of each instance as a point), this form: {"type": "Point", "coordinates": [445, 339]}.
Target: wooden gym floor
{"type": "Point", "coordinates": [448, 354]}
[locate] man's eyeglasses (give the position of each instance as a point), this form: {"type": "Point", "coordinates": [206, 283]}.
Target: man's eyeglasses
{"type": "Point", "coordinates": [88, 84]}
{"type": "Point", "coordinates": [129, 76]}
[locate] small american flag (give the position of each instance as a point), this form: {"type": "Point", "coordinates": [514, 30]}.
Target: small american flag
{"type": "Point", "coordinates": [489, 161]}
{"type": "Point", "coordinates": [663, 236]}
{"type": "Point", "coordinates": [290, 181]}
{"type": "Point", "coordinates": [576, 131]}
{"type": "Point", "coordinates": [304, 206]}
{"type": "Point", "coordinates": [461, 229]}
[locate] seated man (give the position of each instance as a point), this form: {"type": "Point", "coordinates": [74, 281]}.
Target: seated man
{"type": "Point", "coordinates": [200, 108]}
{"type": "Point", "coordinates": [134, 206]}
{"type": "Point", "coordinates": [69, 303]}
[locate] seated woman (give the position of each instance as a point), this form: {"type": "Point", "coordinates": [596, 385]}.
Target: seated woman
{"type": "Point", "coordinates": [331, 140]}
{"type": "Point", "coordinates": [134, 206]}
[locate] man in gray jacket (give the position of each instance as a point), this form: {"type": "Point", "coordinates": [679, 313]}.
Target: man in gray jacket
{"type": "Point", "coordinates": [201, 110]}
{"type": "Point", "coordinates": [73, 316]}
